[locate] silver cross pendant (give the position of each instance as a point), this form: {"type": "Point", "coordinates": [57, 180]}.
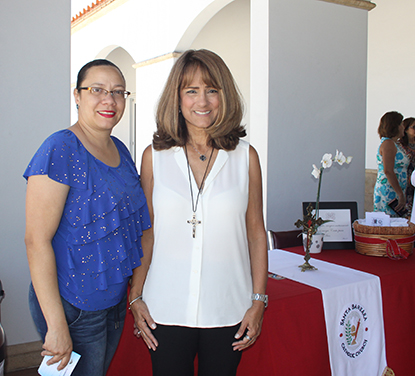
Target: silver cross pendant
{"type": "Point", "coordinates": [194, 222]}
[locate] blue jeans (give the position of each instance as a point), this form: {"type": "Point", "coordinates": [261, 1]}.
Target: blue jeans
{"type": "Point", "coordinates": [95, 334]}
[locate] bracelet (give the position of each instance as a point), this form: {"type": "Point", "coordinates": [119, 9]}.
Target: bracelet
{"type": "Point", "coordinates": [134, 300]}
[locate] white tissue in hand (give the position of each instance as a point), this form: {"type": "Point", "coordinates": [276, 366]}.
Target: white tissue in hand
{"type": "Point", "coordinates": [52, 370]}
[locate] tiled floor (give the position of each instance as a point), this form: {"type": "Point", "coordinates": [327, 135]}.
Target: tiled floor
{"type": "Point", "coordinates": [25, 372]}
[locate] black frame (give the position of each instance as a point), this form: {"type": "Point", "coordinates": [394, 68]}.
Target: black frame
{"type": "Point", "coordinates": [333, 205]}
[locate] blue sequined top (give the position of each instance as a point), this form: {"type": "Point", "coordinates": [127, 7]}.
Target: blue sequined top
{"type": "Point", "coordinates": [98, 241]}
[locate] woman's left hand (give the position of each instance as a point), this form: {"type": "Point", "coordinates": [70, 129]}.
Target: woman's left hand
{"type": "Point", "coordinates": [250, 327]}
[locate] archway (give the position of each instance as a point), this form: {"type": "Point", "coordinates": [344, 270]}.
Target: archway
{"type": "Point", "coordinates": [126, 128]}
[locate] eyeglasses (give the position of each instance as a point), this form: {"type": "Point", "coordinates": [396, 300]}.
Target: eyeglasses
{"type": "Point", "coordinates": [100, 92]}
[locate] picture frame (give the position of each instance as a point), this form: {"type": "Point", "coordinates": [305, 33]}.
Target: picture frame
{"type": "Point", "coordinates": [339, 231]}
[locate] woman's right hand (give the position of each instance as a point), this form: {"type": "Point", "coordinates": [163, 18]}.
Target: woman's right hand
{"type": "Point", "coordinates": [58, 344]}
{"type": "Point", "coordinates": [401, 201]}
{"type": "Point", "coordinates": [143, 322]}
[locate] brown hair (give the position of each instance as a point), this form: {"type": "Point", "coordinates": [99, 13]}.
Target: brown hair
{"type": "Point", "coordinates": [225, 132]}
{"type": "Point", "coordinates": [407, 123]}
{"type": "Point", "coordinates": [389, 124]}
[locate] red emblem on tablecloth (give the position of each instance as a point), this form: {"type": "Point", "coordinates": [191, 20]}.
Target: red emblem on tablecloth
{"type": "Point", "coordinates": [354, 330]}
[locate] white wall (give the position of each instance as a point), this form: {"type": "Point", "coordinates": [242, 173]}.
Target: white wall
{"type": "Point", "coordinates": [34, 102]}
{"type": "Point", "coordinates": [259, 86]}
{"type": "Point", "coordinates": [150, 82]}
{"type": "Point", "coordinates": [317, 104]}
{"type": "Point", "coordinates": [391, 73]}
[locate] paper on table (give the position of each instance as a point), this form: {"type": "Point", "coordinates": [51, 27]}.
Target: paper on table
{"type": "Point", "coordinates": [377, 219]}
{"type": "Point", "coordinates": [339, 228]}
{"type": "Point", "coordinates": [52, 370]}
{"type": "Point", "coordinates": [394, 222]}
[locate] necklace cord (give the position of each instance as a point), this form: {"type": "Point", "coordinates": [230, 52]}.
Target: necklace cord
{"type": "Point", "coordinates": [194, 207]}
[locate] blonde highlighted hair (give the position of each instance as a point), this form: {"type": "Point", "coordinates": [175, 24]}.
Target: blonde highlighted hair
{"type": "Point", "coordinates": [226, 131]}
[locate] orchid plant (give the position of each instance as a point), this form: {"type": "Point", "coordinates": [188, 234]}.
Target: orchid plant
{"type": "Point", "coordinates": [326, 162]}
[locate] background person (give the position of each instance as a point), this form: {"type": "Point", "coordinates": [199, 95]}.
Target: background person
{"type": "Point", "coordinates": [392, 165]}
{"type": "Point", "coordinates": [85, 212]}
{"type": "Point", "coordinates": [408, 144]}
{"type": "Point", "coordinates": [204, 292]}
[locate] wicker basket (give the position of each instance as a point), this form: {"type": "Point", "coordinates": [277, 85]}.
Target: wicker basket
{"type": "Point", "coordinates": [371, 240]}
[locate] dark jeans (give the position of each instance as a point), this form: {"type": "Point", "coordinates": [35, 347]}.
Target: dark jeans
{"type": "Point", "coordinates": [95, 334]}
{"type": "Point", "coordinates": [179, 345]}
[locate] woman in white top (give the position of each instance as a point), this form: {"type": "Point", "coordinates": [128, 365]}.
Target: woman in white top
{"type": "Point", "coordinates": [201, 287]}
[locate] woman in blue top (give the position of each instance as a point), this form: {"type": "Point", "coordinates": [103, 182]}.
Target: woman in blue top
{"type": "Point", "coordinates": [392, 165]}
{"type": "Point", "coordinates": [85, 213]}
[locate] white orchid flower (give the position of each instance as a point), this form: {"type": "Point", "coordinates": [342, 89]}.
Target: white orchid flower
{"type": "Point", "coordinates": [339, 158]}
{"type": "Point", "coordinates": [327, 160]}
{"type": "Point", "coordinates": [315, 172]}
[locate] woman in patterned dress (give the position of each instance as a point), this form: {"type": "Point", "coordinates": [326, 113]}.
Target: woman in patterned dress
{"type": "Point", "coordinates": [408, 143]}
{"type": "Point", "coordinates": [392, 163]}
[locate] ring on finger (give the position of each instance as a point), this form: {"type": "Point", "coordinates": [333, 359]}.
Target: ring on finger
{"type": "Point", "coordinates": [248, 337]}
{"type": "Point", "coordinates": [139, 332]}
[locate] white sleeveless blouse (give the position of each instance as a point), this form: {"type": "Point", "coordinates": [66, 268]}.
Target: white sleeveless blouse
{"type": "Point", "coordinates": [203, 281]}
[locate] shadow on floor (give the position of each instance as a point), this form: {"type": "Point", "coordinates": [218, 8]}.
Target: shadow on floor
{"type": "Point", "coordinates": [24, 372]}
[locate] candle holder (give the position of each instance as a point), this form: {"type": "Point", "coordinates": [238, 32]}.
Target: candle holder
{"type": "Point", "coordinates": [310, 225]}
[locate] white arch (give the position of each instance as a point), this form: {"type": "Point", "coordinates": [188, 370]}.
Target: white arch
{"type": "Point", "coordinates": [200, 22]}
{"type": "Point", "coordinates": [106, 51]}
{"type": "Point", "coordinates": [125, 129]}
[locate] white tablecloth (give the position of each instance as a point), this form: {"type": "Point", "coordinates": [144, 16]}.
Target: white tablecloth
{"type": "Point", "coordinates": [352, 308]}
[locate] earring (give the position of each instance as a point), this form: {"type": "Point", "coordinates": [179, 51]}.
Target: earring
{"type": "Point", "coordinates": [77, 106]}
